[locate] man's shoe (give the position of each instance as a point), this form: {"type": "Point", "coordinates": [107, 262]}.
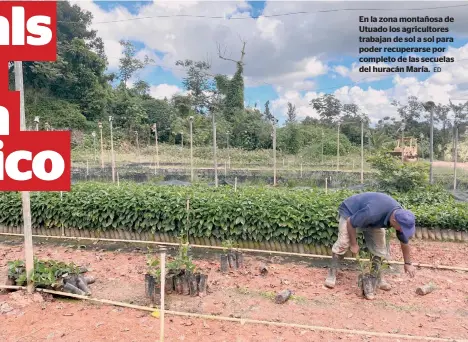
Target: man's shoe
{"type": "Point", "coordinates": [383, 285]}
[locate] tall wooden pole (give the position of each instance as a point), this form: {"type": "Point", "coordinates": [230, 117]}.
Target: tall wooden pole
{"type": "Point", "coordinates": [112, 150]}
{"type": "Point", "coordinates": [156, 142]}
{"type": "Point", "coordinates": [215, 161]}
{"type": "Point", "coordinates": [362, 151]}
{"type": "Point", "coordinates": [25, 197]}
{"type": "Point", "coordinates": [274, 153]}
{"type": "Point", "coordinates": [431, 148]}
{"type": "Point", "coordinates": [191, 148]}
{"type": "Point", "coordinates": [102, 146]}
{"type": "Point", "coordinates": [338, 148]}
{"type": "Point", "coordinates": [163, 283]}
{"type": "Point", "coordinates": [455, 155]}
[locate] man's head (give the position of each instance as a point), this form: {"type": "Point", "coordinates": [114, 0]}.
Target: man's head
{"type": "Point", "coordinates": [404, 221]}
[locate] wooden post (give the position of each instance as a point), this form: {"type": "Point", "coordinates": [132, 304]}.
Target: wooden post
{"type": "Point", "coordinates": [118, 182]}
{"type": "Point", "coordinates": [191, 148]}
{"type": "Point", "coordinates": [362, 151]}
{"type": "Point", "coordinates": [301, 170]}
{"type": "Point", "coordinates": [215, 162]}
{"type": "Point", "coordinates": [25, 197]}
{"type": "Point", "coordinates": [326, 185]}
{"type": "Point", "coordinates": [102, 146]}
{"type": "Point", "coordinates": [235, 184]}
{"type": "Point", "coordinates": [274, 153]}
{"type": "Point", "coordinates": [163, 283]}
{"type": "Point", "coordinates": [455, 155]}
{"type": "Point", "coordinates": [431, 148]}
{"type": "Point", "coordinates": [338, 148]}
{"type": "Point", "coordinates": [156, 141]}
{"type": "Point", "coordinates": [112, 150]}
{"type": "Point", "coordinates": [87, 169]}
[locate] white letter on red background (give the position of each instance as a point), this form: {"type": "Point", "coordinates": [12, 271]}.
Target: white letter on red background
{"type": "Point", "coordinates": [11, 165]}
{"type": "Point", "coordinates": [58, 165]}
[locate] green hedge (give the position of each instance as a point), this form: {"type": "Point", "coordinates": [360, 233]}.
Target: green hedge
{"type": "Point", "coordinates": [258, 214]}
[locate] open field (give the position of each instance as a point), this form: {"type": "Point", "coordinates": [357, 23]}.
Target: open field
{"type": "Point", "coordinates": [244, 293]}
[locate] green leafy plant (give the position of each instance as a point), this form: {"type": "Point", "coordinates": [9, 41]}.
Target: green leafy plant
{"type": "Point", "coordinates": [229, 245]}
{"type": "Point", "coordinates": [395, 176]}
{"type": "Point", "coordinates": [46, 273]}
{"type": "Point", "coordinates": [257, 214]}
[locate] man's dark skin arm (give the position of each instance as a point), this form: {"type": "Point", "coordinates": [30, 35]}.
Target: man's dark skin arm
{"type": "Point", "coordinates": [405, 249]}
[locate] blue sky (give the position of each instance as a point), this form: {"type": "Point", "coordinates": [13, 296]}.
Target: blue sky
{"type": "Point", "coordinates": [327, 82]}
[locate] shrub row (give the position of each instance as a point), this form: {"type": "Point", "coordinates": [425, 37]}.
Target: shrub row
{"type": "Point", "coordinates": [257, 214]}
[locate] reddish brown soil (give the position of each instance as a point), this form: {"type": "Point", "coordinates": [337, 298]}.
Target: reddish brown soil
{"type": "Point", "coordinates": [243, 294]}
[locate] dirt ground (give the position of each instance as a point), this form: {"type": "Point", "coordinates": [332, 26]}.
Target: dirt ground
{"type": "Point", "coordinates": [241, 294]}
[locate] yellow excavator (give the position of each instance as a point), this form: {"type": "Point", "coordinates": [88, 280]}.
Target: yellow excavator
{"type": "Point", "coordinates": [408, 147]}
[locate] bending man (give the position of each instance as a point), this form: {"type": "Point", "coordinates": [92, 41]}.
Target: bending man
{"type": "Point", "coordinates": [373, 213]}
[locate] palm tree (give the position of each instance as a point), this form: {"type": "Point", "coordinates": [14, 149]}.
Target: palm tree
{"type": "Point", "coordinates": [378, 139]}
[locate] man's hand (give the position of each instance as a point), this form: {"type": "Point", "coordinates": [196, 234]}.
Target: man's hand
{"type": "Point", "coordinates": [354, 249]}
{"type": "Point", "coordinates": [410, 270]}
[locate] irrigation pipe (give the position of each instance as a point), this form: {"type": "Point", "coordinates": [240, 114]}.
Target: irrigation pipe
{"type": "Point", "coordinates": [440, 267]}
{"type": "Point", "coordinates": [241, 320]}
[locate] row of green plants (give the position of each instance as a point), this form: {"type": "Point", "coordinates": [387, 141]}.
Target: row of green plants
{"type": "Point", "coordinates": [258, 214]}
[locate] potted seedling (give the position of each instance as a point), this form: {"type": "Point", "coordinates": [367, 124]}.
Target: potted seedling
{"type": "Point", "coordinates": [52, 275]}
{"type": "Point", "coordinates": [231, 258]}
{"type": "Point", "coordinates": [368, 279]}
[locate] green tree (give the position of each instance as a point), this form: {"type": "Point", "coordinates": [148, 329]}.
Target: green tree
{"type": "Point", "coordinates": [291, 114]}
{"type": "Point", "coordinates": [199, 83]}
{"type": "Point", "coordinates": [128, 64]}
{"type": "Point", "coordinates": [328, 107]}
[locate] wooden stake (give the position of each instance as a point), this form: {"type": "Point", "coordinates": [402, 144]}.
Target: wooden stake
{"type": "Point", "coordinates": [317, 256]}
{"type": "Point", "coordinates": [25, 197]}
{"type": "Point", "coordinates": [243, 320]}
{"type": "Point", "coordinates": [301, 170]}
{"type": "Point", "coordinates": [235, 184]}
{"type": "Point", "coordinates": [326, 185]}
{"type": "Point", "coordinates": [163, 283]}
{"type": "Point", "coordinates": [118, 182]}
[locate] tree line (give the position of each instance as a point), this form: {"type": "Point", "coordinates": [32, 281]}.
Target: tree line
{"type": "Point", "coordinates": [77, 91]}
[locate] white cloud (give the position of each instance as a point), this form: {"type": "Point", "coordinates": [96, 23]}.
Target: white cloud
{"type": "Point", "coordinates": [288, 52]}
{"type": "Point", "coordinates": [161, 91]}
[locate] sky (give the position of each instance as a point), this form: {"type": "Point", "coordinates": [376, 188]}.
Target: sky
{"type": "Point", "coordinates": [295, 50]}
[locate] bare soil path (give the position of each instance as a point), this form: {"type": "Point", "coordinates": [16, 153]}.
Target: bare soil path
{"type": "Point", "coordinates": [244, 294]}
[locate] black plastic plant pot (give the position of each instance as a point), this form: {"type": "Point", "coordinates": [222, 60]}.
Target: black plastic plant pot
{"type": "Point", "coordinates": [224, 263]}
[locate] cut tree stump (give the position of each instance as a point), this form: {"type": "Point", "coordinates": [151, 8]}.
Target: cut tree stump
{"type": "Point", "coordinates": [425, 289]}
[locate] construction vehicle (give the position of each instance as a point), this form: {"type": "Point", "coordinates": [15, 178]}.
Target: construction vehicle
{"type": "Point", "coordinates": [407, 149]}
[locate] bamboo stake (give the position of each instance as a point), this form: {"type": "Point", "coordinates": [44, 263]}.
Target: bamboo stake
{"type": "Point", "coordinates": [163, 283]}
{"type": "Point", "coordinates": [440, 267]}
{"type": "Point", "coordinates": [243, 320]}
